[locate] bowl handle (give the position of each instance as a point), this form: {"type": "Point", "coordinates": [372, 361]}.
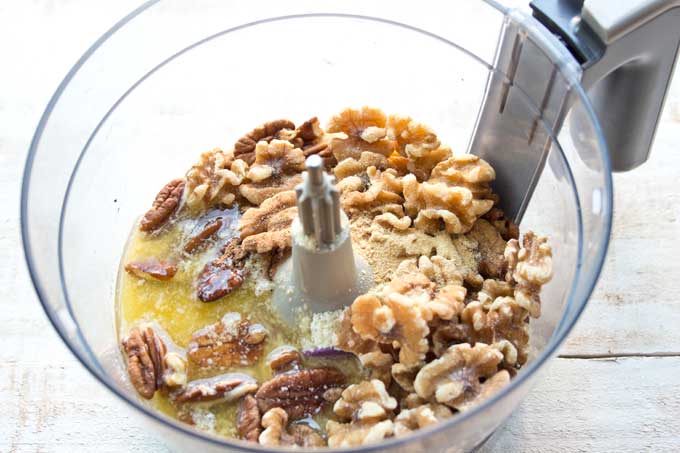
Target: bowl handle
{"type": "Point", "coordinates": [628, 52]}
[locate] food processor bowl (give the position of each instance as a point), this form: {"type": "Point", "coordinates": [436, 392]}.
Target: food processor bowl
{"type": "Point", "coordinates": [170, 81]}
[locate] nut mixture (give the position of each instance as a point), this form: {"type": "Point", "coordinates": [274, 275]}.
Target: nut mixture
{"type": "Point", "coordinates": [445, 326]}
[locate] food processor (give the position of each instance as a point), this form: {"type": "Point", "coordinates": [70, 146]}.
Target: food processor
{"type": "Point", "coordinates": [555, 101]}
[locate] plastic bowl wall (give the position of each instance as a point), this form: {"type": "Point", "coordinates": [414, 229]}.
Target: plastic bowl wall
{"type": "Point", "coordinates": [170, 81]}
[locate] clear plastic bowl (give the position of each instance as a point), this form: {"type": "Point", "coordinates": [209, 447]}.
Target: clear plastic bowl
{"type": "Point", "coordinates": [170, 81]}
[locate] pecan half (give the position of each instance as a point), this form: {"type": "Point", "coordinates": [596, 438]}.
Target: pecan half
{"type": "Point", "coordinates": [217, 280]}
{"type": "Point", "coordinates": [228, 342]}
{"type": "Point", "coordinates": [245, 146]}
{"type": "Point", "coordinates": [145, 351]}
{"type": "Point", "coordinates": [217, 389]}
{"type": "Point", "coordinates": [151, 270]}
{"type": "Point", "coordinates": [248, 419]}
{"type": "Point", "coordinates": [223, 275]}
{"type": "Point", "coordinates": [209, 229]}
{"type": "Point", "coordinates": [299, 393]}
{"type": "Point", "coordinates": [163, 206]}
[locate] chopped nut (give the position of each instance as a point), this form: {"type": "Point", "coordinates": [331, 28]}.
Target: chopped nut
{"type": "Point", "coordinates": [506, 227]}
{"type": "Point", "coordinates": [214, 180]}
{"type": "Point", "coordinates": [217, 389]}
{"type": "Point", "coordinates": [164, 205]}
{"type": "Point", "coordinates": [276, 433]}
{"type": "Point", "coordinates": [357, 434]}
{"type": "Point", "coordinates": [246, 144]}
{"type": "Point", "coordinates": [368, 406]}
{"type": "Point", "coordinates": [351, 166]}
{"type": "Point", "coordinates": [333, 394]}
{"type": "Point", "coordinates": [284, 358]}
{"type": "Point", "coordinates": [411, 401]}
{"type": "Point", "coordinates": [248, 419]}
{"type": "Point", "coordinates": [491, 247]}
{"type": "Point", "coordinates": [175, 374]}
{"type": "Point", "coordinates": [389, 219]}
{"type": "Point", "coordinates": [379, 363]}
{"type": "Point", "coordinates": [454, 378]}
{"type": "Point", "coordinates": [488, 388]}
{"type": "Point", "coordinates": [299, 393]}
{"type": "Point", "coordinates": [151, 270]}
{"type": "Point", "coordinates": [449, 333]}
{"type": "Point", "coordinates": [454, 197]}
{"type": "Point", "coordinates": [493, 289]}
{"type": "Point", "coordinates": [399, 163]}
{"type": "Point", "coordinates": [509, 351]}
{"type": "Point", "coordinates": [530, 267]}
{"type": "Point", "coordinates": [392, 320]}
{"type": "Point", "coordinates": [505, 319]}
{"type": "Point", "coordinates": [267, 227]}
{"type": "Point", "coordinates": [145, 351]}
{"type": "Point", "coordinates": [276, 169]}
{"type": "Point", "coordinates": [305, 436]}
{"type": "Point", "coordinates": [256, 334]}
{"type": "Point", "coordinates": [209, 229]}
{"type": "Point", "coordinates": [404, 375]}
{"type": "Point", "coordinates": [257, 193]}
{"type": "Point", "coordinates": [274, 422]}
{"type": "Point", "coordinates": [466, 170]}
{"type": "Point", "coordinates": [275, 159]}
{"type": "Point", "coordinates": [418, 142]}
{"type": "Point", "coordinates": [367, 401]}
{"type": "Point", "coordinates": [349, 340]}
{"type": "Point", "coordinates": [364, 130]}
{"type": "Point", "coordinates": [226, 343]}
{"type": "Point", "coordinates": [420, 417]}
{"type": "Point", "coordinates": [384, 188]}
{"type": "Point", "coordinates": [444, 299]}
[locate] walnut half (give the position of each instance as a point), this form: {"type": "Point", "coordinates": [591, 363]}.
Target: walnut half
{"type": "Point", "coordinates": [455, 379]}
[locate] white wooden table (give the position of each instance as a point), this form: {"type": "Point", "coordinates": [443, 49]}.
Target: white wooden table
{"type": "Point", "coordinates": [614, 387]}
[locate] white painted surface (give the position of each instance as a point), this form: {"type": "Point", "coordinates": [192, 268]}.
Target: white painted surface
{"type": "Point", "coordinates": [619, 403]}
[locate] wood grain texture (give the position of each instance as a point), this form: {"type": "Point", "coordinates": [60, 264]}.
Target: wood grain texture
{"type": "Point", "coordinates": [636, 307]}
{"type": "Point", "coordinates": [50, 403]}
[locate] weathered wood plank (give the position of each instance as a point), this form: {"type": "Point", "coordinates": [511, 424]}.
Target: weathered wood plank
{"type": "Point", "coordinates": [636, 305]}
{"type": "Point", "coordinates": [628, 404]}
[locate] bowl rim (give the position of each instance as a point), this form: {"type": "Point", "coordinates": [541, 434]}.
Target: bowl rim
{"type": "Point", "coordinates": [561, 331]}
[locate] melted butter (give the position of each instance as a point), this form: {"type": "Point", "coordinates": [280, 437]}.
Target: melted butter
{"type": "Point", "coordinates": [174, 306]}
